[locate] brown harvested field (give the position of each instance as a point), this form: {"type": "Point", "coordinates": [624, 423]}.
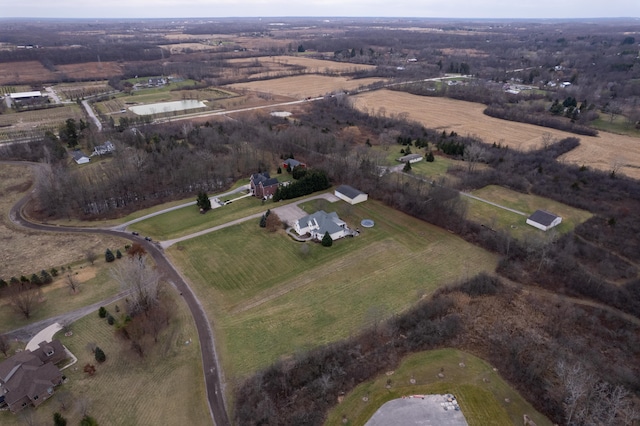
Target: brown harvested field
{"type": "Point", "coordinates": [189, 47]}
{"type": "Point", "coordinates": [304, 86]}
{"type": "Point", "coordinates": [24, 252]}
{"type": "Point", "coordinates": [88, 70]}
{"type": "Point", "coordinates": [466, 118]}
{"type": "Point", "coordinates": [312, 65]}
{"type": "Point", "coordinates": [24, 72]}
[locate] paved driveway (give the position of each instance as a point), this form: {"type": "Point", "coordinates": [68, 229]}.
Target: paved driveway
{"type": "Point", "coordinates": [426, 410]}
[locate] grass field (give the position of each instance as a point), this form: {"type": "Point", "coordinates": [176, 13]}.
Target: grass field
{"type": "Point", "coordinates": [166, 387]}
{"type": "Point", "coordinates": [497, 218]}
{"type": "Point", "coordinates": [480, 391]}
{"type": "Point", "coordinates": [269, 298]}
{"type": "Point", "coordinates": [466, 118]}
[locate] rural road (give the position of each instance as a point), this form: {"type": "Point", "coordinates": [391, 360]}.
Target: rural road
{"type": "Point", "coordinates": [212, 373]}
{"type": "Point", "coordinates": [92, 114]}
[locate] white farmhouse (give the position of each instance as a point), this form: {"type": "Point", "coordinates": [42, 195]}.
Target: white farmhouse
{"type": "Point", "coordinates": [543, 220]}
{"type": "Point", "coordinates": [320, 222]}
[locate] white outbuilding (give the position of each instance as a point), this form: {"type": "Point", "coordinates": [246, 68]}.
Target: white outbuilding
{"type": "Point", "coordinates": [543, 220]}
{"type": "Point", "coordinates": [350, 194]}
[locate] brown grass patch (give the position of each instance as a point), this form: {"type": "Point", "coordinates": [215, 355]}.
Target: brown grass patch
{"type": "Point", "coordinates": [90, 70]}
{"type": "Point", "coordinates": [467, 118]}
{"type": "Point", "coordinates": [303, 86]}
{"type": "Point", "coordinates": [24, 251]}
{"type": "Point", "coordinates": [24, 72]}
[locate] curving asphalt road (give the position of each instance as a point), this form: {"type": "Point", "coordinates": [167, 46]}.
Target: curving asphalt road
{"type": "Point", "coordinates": [212, 373]}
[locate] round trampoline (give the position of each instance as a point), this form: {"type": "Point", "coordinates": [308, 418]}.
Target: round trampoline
{"type": "Point", "coordinates": [367, 223]}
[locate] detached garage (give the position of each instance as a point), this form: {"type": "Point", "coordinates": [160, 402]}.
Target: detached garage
{"type": "Point", "coordinates": [350, 194]}
{"type": "Point", "coordinates": [543, 220]}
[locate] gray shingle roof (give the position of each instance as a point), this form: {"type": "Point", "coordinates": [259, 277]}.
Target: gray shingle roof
{"type": "Point", "coordinates": [543, 217]}
{"type": "Point", "coordinates": [349, 191]}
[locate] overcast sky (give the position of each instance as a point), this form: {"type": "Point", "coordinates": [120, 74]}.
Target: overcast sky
{"type": "Point", "coordinates": [365, 8]}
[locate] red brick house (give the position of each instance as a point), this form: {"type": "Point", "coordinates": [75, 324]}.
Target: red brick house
{"type": "Point", "coordinates": [29, 378]}
{"type": "Point", "coordinates": [263, 186]}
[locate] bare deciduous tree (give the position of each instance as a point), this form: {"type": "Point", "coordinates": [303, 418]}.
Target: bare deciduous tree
{"type": "Point", "coordinates": [24, 297]}
{"type": "Point", "coordinates": [91, 256]}
{"type": "Point", "coordinates": [4, 344]}
{"type": "Point", "coordinates": [72, 283]}
{"type": "Point", "coordinates": [141, 280]}
{"type": "Point", "coordinates": [472, 155]}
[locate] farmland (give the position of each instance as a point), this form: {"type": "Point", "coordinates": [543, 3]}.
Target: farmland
{"type": "Point", "coordinates": [304, 86]}
{"type": "Point", "coordinates": [465, 118]}
{"type": "Point", "coordinates": [22, 124]}
{"type": "Point", "coordinates": [296, 300]}
{"type": "Point", "coordinates": [480, 390]}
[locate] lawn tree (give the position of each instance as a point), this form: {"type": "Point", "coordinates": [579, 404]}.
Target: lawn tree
{"type": "Point", "coordinates": [327, 241]}
{"type": "Point", "coordinates": [272, 222]}
{"type": "Point", "coordinates": [108, 256]}
{"type": "Point", "coordinates": [141, 280]}
{"type": "Point", "coordinates": [72, 283]}
{"type": "Point", "coordinates": [24, 297]}
{"type": "Point", "coordinates": [407, 167]}
{"type": "Point", "coordinates": [91, 256]}
{"type": "Point", "coordinates": [429, 157]}
{"type": "Point", "coordinates": [99, 355]}
{"type": "Point", "coordinates": [59, 420]}
{"type": "Point", "coordinates": [203, 202]}
{"type": "Point", "coordinates": [4, 344]}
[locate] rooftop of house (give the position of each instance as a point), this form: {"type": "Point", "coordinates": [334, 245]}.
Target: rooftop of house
{"type": "Point", "coordinates": [543, 217]}
{"type": "Point", "coordinates": [349, 191]}
{"type": "Point", "coordinates": [322, 221]}
{"type": "Point", "coordinates": [263, 178]}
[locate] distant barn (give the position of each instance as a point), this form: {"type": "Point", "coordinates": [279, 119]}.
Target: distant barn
{"type": "Point", "coordinates": [543, 220]}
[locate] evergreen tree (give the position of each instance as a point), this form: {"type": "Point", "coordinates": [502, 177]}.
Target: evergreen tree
{"type": "Point", "coordinates": [430, 158]}
{"type": "Point", "coordinates": [99, 355]}
{"type": "Point", "coordinates": [263, 221]}
{"type": "Point", "coordinates": [407, 167]}
{"type": "Point", "coordinates": [108, 256]}
{"type": "Point", "coordinates": [35, 279]}
{"type": "Point", "coordinates": [118, 254]}
{"type": "Point", "coordinates": [102, 312]}
{"type": "Point", "coordinates": [45, 277]}
{"type": "Point", "coordinates": [203, 201]}
{"type": "Point", "coordinates": [58, 420]}
{"type": "Point", "coordinates": [326, 240]}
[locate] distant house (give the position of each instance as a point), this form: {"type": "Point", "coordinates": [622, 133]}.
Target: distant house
{"type": "Point", "coordinates": [410, 158]}
{"type": "Point", "coordinates": [263, 186]}
{"type": "Point", "coordinates": [157, 82]}
{"type": "Point", "coordinates": [29, 377]}
{"type": "Point", "coordinates": [543, 220]}
{"type": "Point", "coordinates": [350, 194]}
{"type": "Point", "coordinates": [106, 148]}
{"type": "Point", "coordinates": [320, 222]}
{"type": "Point", "coordinates": [291, 163]}
{"type": "Point", "coordinates": [25, 95]}
{"type": "Point", "coordinates": [79, 157]}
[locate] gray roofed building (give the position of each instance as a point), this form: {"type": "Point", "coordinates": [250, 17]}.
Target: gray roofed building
{"type": "Point", "coordinates": [79, 157]}
{"type": "Point", "coordinates": [263, 185]}
{"type": "Point", "coordinates": [350, 194]}
{"type": "Point", "coordinates": [543, 220]}
{"type": "Point", "coordinates": [410, 158]}
{"type": "Point", "coordinates": [29, 377]}
{"type": "Point", "coordinates": [321, 222]}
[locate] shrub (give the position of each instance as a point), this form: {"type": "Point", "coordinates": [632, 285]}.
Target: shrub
{"type": "Point", "coordinates": [108, 256]}
{"type": "Point", "coordinates": [102, 312]}
{"type": "Point", "coordinates": [58, 420]}
{"type": "Point", "coordinates": [111, 320]}
{"type": "Point", "coordinates": [99, 355]}
{"type": "Point", "coordinates": [326, 240]}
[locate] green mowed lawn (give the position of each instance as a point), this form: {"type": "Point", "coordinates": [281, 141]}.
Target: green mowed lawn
{"type": "Point", "coordinates": [497, 218]}
{"type": "Point", "coordinates": [271, 297]}
{"type": "Point", "coordinates": [480, 391]}
{"type": "Point", "coordinates": [164, 387]}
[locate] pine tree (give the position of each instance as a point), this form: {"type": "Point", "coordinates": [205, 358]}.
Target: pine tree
{"type": "Point", "coordinates": [108, 256]}
{"type": "Point", "coordinates": [326, 240]}
{"type": "Point", "coordinates": [430, 158]}
{"type": "Point", "coordinates": [58, 420]}
{"type": "Point", "coordinates": [407, 167]}
{"type": "Point", "coordinates": [203, 201]}
{"type": "Point", "coordinates": [99, 354]}
{"type": "Point", "coordinates": [118, 254]}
